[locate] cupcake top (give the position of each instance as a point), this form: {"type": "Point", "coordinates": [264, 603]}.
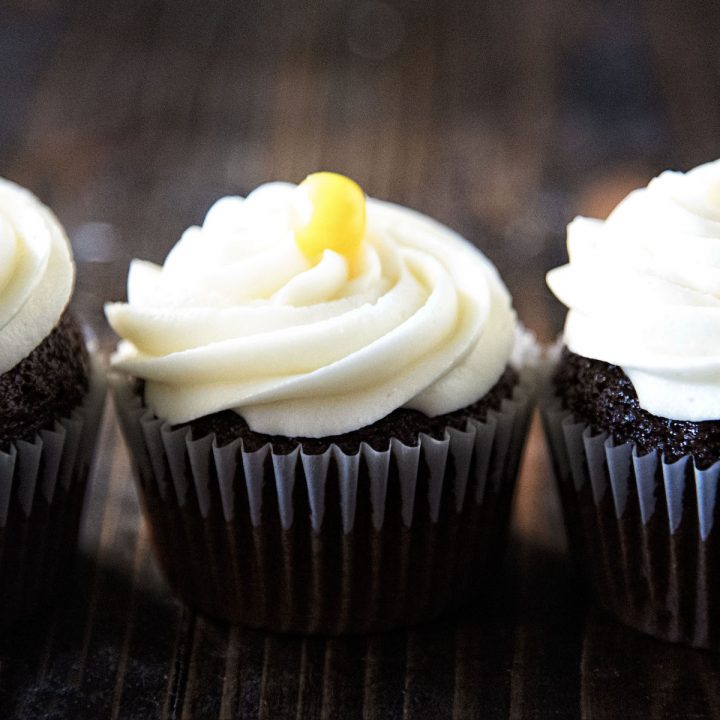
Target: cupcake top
{"type": "Point", "coordinates": [312, 312]}
{"type": "Point", "coordinates": [36, 273]}
{"type": "Point", "coordinates": [643, 292]}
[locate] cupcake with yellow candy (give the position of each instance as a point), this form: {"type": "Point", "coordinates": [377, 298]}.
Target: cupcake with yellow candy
{"type": "Point", "coordinates": [323, 396]}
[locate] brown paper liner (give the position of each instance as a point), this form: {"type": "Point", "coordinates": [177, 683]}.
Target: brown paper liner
{"type": "Point", "coordinates": [645, 533]}
{"type": "Point", "coordinates": [42, 488]}
{"type": "Point", "coordinates": [327, 543]}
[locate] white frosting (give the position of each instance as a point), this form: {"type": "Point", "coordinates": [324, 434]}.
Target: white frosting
{"type": "Point", "coordinates": [237, 318]}
{"type": "Point", "coordinates": [643, 289]}
{"type": "Point", "coordinates": [36, 273]}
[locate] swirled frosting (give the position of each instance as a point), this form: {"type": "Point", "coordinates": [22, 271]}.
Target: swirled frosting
{"type": "Point", "coordinates": [643, 292]}
{"type": "Point", "coordinates": [237, 318]}
{"type": "Point", "coordinates": [36, 273]}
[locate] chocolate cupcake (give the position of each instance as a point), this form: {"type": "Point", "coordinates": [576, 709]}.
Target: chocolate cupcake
{"type": "Point", "coordinates": [325, 420]}
{"type": "Point", "coordinates": [634, 426]}
{"type": "Point", "coordinates": [50, 405]}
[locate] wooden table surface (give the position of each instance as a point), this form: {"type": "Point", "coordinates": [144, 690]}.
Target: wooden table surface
{"type": "Point", "coordinates": [504, 120]}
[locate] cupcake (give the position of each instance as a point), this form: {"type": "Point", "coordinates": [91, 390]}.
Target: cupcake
{"type": "Point", "coordinates": [318, 394]}
{"type": "Point", "coordinates": [634, 426]}
{"type": "Point", "coordinates": [49, 409]}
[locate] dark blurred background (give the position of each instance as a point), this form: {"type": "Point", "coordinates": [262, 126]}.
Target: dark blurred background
{"type": "Point", "coordinates": [502, 119]}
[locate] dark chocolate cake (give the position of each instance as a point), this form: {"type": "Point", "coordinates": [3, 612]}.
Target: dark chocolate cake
{"type": "Point", "coordinates": [402, 424]}
{"type": "Point", "coordinates": [46, 385]}
{"type": "Point", "coordinates": [603, 396]}
{"type": "Point", "coordinates": [38, 532]}
{"type": "Point", "coordinates": [359, 572]}
{"type": "Point", "coordinates": [649, 549]}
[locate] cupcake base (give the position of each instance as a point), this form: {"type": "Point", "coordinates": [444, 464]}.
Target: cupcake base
{"type": "Point", "coordinates": [327, 543]}
{"type": "Point", "coordinates": [42, 489]}
{"type": "Point", "coordinates": [645, 533]}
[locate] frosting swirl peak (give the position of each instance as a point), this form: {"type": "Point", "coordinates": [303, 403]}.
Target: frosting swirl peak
{"type": "Point", "coordinates": [643, 292]}
{"type": "Point", "coordinates": [238, 318]}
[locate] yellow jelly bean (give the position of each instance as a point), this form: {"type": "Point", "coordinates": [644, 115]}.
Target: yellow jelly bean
{"type": "Point", "coordinates": [328, 214]}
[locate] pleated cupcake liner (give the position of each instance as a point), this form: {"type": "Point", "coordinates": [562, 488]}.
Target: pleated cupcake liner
{"type": "Point", "coordinates": [330, 543]}
{"type": "Point", "coordinates": [42, 488]}
{"type": "Point", "coordinates": [645, 532]}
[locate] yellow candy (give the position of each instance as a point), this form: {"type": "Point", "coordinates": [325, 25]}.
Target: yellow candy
{"type": "Point", "coordinates": [328, 214]}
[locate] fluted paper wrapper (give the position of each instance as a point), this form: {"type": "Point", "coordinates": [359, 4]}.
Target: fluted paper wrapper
{"type": "Point", "coordinates": [330, 543]}
{"type": "Point", "coordinates": [42, 488]}
{"type": "Point", "coordinates": [646, 533]}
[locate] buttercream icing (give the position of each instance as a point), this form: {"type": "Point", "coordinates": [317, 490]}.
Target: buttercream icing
{"type": "Point", "coordinates": [238, 318]}
{"type": "Point", "coordinates": [36, 273]}
{"type": "Point", "coordinates": [643, 292]}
